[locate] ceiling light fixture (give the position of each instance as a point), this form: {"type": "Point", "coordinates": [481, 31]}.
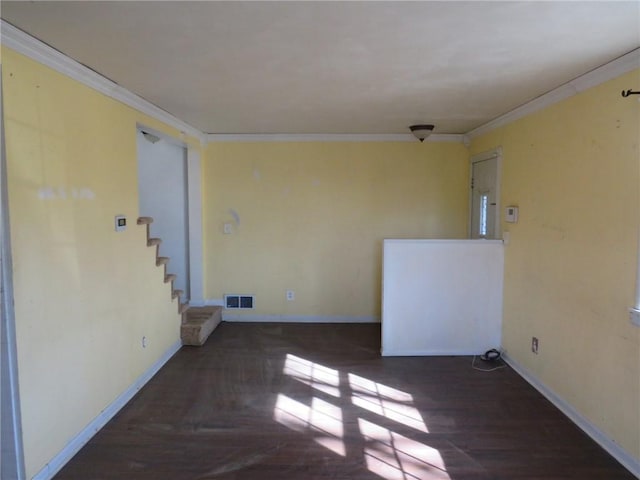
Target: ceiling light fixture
{"type": "Point", "coordinates": [421, 131]}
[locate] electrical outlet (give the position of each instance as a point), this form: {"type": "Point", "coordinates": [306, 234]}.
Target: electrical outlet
{"type": "Point", "coordinates": [291, 295]}
{"type": "Point", "coordinates": [534, 345]}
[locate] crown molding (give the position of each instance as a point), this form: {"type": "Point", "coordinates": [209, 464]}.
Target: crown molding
{"type": "Point", "coordinates": [33, 48]}
{"type": "Point", "coordinates": [330, 137]}
{"type": "Point", "coordinates": [604, 73]}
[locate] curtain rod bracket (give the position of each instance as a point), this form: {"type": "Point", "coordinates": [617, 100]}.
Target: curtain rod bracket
{"type": "Point", "coordinates": [629, 92]}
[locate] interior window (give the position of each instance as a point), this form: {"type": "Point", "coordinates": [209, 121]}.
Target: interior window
{"type": "Point", "coordinates": [484, 205]}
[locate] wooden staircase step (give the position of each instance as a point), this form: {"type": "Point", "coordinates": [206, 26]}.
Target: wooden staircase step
{"type": "Point", "coordinates": [176, 293]}
{"type": "Point", "coordinates": [183, 308]}
{"type": "Point", "coordinates": [198, 324]}
{"type": "Point", "coordinates": [145, 220]}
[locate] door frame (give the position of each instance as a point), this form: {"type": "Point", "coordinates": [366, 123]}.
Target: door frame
{"type": "Point", "coordinates": [11, 444]}
{"type": "Point", "coordinates": [481, 157]}
{"type": "Point", "coordinates": [194, 213]}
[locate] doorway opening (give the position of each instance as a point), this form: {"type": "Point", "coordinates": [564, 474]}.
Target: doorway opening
{"type": "Point", "coordinates": [484, 217]}
{"type": "Point", "coordinates": [163, 195]}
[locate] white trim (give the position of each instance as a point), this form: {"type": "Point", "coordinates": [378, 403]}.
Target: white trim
{"type": "Point", "coordinates": [611, 70]}
{"type": "Point", "coordinates": [488, 155]}
{"type": "Point", "coordinates": [426, 353]}
{"type": "Point", "coordinates": [436, 241]}
{"type": "Point", "coordinates": [625, 458]}
{"type": "Point", "coordinates": [226, 317]}
{"type": "Point", "coordinates": [196, 261]}
{"type": "Point", "coordinates": [480, 157]}
{"type": "Point", "coordinates": [80, 440]}
{"type": "Point", "coordinates": [11, 445]}
{"type": "Point", "coordinates": [207, 302]}
{"type": "Point", "coordinates": [331, 137]}
{"type": "Point", "coordinates": [634, 313]}
{"type": "Point", "coordinates": [33, 48]}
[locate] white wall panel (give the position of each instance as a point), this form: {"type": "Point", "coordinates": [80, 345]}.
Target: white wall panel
{"type": "Point", "coordinates": [441, 297]}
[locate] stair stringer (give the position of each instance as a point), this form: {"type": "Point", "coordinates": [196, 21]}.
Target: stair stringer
{"type": "Point", "coordinates": [163, 262]}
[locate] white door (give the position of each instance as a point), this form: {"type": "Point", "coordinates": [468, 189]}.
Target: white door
{"type": "Point", "coordinates": [484, 199]}
{"type": "Point", "coordinates": [162, 187]}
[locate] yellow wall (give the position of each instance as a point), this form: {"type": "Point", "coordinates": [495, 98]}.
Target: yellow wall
{"type": "Point", "coordinates": [573, 169]}
{"type": "Point", "coordinates": [313, 217]}
{"type": "Point", "coordinates": [84, 294]}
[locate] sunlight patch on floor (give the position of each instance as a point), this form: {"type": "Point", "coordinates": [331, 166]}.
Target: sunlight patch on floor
{"type": "Point", "coordinates": [393, 456]}
{"type": "Point", "coordinates": [386, 453]}
{"type": "Point", "coordinates": [386, 401]}
{"type": "Point", "coordinates": [322, 420]}
{"type": "Point", "coordinates": [318, 376]}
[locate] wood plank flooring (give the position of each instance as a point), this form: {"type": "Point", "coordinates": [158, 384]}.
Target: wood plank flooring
{"type": "Point", "coordinates": [307, 401]}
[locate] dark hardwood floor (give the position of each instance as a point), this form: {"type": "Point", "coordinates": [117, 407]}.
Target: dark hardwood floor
{"type": "Point", "coordinates": [307, 401]}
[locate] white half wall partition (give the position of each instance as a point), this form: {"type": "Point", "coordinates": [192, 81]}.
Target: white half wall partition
{"type": "Point", "coordinates": [441, 297]}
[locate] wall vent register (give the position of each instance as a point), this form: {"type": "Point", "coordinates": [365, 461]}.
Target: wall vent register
{"type": "Point", "coordinates": [238, 301]}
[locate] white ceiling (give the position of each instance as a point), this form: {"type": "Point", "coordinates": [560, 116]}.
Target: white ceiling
{"type": "Point", "coordinates": [335, 67]}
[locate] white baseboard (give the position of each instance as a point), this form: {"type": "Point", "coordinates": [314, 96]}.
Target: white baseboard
{"type": "Point", "coordinates": [233, 317]}
{"type": "Point", "coordinates": [427, 353]}
{"type": "Point", "coordinates": [207, 302]}
{"type": "Point", "coordinates": [616, 451]}
{"type": "Point", "coordinates": [79, 441]}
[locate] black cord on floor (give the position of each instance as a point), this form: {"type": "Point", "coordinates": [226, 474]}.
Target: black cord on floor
{"type": "Point", "coordinates": [502, 365]}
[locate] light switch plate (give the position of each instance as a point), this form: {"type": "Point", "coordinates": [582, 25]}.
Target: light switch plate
{"type": "Point", "coordinates": [511, 214]}
{"type": "Point", "coordinates": [120, 223]}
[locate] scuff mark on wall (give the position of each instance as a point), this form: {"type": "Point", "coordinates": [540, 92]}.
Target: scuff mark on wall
{"type": "Point", "coordinates": [54, 193]}
{"type": "Point", "coordinates": [257, 175]}
{"type": "Point", "coordinates": [235, 216]}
